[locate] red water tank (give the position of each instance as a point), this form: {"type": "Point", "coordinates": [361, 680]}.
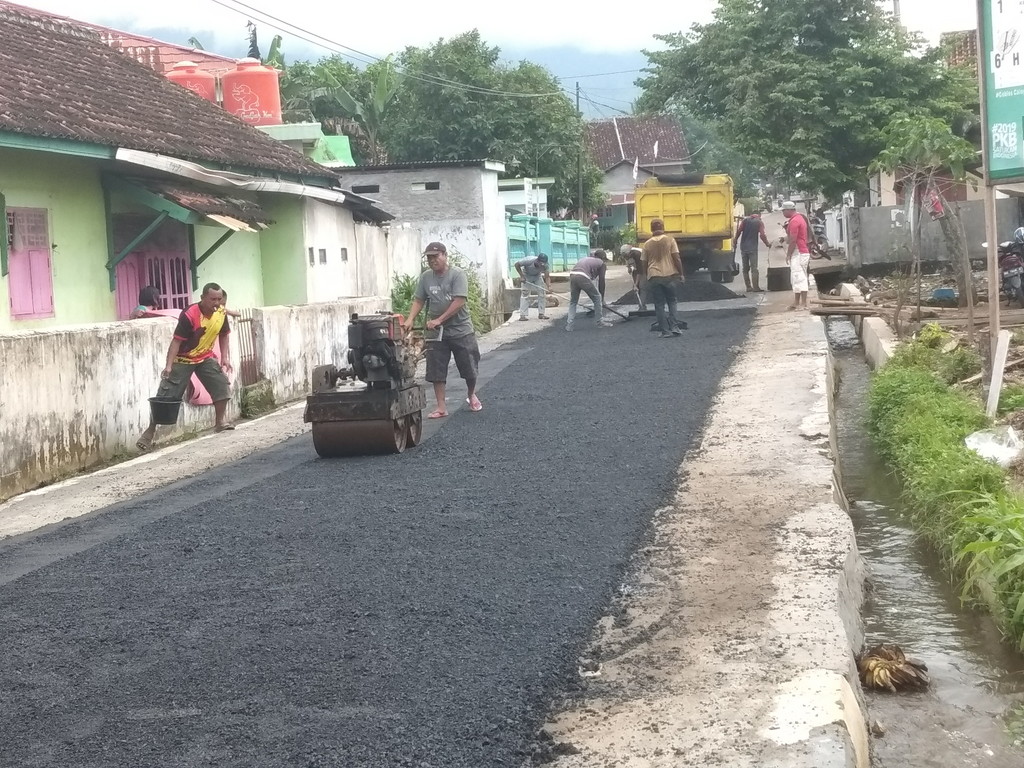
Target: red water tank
{"type": "Point", "coordinates": [252, 94]}
{"type": "Point", "coordinates": [189, 75]}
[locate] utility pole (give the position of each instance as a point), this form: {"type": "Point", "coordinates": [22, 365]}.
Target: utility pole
{"type": "Point", "coordinates": [579, 161]}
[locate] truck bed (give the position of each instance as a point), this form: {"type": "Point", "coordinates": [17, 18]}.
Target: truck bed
{"type": "Point", "coordinates": [701, 209]}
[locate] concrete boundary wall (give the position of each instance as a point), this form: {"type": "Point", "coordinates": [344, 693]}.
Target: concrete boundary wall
{"type": "Point", "coordinates": [291, 341]}
{"type": "Point", "coordinates": [74, 397]}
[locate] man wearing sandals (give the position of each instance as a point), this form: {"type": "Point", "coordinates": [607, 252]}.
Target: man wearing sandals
{"type": "Point", "coordinates": [199, 327]}
{"type": "Point", "coordinates": [798, 254]}
{"type": "Point", "coordinates": [444, 290]}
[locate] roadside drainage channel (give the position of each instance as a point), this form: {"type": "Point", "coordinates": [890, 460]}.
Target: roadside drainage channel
{"type": "Point", "coordinates": [973, 712]}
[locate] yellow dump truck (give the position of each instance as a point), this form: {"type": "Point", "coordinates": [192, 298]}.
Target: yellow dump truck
{"type": "Point", "coordinates": [696, 209]}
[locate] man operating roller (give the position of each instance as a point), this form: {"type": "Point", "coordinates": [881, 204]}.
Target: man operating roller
{"type": "Point", "coordinates": [444, 290]}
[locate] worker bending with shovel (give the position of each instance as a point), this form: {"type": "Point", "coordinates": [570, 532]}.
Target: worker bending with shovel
{"type": "Point", "coordinates": [588, 276]}
{"type": "Point", "coordinates": [535, 280]}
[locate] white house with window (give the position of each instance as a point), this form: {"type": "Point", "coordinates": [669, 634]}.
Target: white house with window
{"type": "Point", "coordinates": [455, 202]}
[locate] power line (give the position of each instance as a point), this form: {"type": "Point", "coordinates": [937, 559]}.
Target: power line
{"type": "Point", "coordinates": [305, 34]}
{"type": "Point", "coordinates": [599, 74]}
{"type": "Point", "coordinates": [606, 106]}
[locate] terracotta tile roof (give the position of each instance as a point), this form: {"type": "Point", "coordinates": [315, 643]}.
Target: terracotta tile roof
{"type": "Point", "coordinates": [626, 138]}
{"type": "Point", "coordinates": [60, 81]}
{"type": "Point", "coordinates": [155, 54]}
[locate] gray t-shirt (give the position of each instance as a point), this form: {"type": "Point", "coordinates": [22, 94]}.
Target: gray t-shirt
{"type": "Point", "coordinates": [438, 291]}
{"type": "Point", "coordinates": [532, 272]}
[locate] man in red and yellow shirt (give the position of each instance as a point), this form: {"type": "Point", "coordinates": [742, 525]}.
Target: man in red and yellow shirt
{"type": "Point", "coordinates": [200, 326]}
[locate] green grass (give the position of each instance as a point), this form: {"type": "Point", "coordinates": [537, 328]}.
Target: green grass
{"type": "Point", "coordinates": [404, 289]}
{"type": "Point", "coordinates": [960, 502]}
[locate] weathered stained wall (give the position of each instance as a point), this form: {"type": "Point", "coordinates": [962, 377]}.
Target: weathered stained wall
{"type": "Point", "coordinates": [464, 212]}
{"type": "Point", "coordinates": [875, 234]}
{"type": "Point", "coordinates": [73, 397]}
{"type": "Point", "coordinates": [405, 251]}
{"type": "Point", "coordinates": [291, 341]}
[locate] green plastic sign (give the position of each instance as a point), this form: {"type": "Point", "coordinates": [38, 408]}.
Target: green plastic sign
{"type": "Point", "coordinates": [1001, 57]}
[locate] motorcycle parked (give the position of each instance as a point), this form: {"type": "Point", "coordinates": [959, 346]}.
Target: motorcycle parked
{"type": "Point", "coordinates": [1011, 270]}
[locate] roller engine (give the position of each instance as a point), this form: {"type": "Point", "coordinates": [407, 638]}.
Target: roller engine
{"type": "Point", "coordinates": [375, 404]}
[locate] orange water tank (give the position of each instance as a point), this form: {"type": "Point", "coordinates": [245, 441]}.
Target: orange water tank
{"type": "Point", "coordinates": [189, 75]}
{"type": "Point", "coordinates": [252, 94]}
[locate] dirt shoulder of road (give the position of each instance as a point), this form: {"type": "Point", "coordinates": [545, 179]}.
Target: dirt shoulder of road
{"type": "Point", "coordinates": [731, 644]}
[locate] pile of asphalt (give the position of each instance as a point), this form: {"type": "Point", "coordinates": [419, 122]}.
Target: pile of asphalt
{"type": "Point", "coordinates": [417, 610]}
{"type": "Point", "coordinates": [691, 290]}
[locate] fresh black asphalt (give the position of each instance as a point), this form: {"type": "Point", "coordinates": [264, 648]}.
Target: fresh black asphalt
{"type": "Point", "coordinates": [422, 610]}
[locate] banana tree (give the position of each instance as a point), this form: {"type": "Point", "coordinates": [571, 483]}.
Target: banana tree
{"type": "Point", "coordinates": [370, 113]}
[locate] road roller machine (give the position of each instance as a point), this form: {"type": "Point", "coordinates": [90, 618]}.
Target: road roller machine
{"type": "Point", "coordinates": [374, 405]}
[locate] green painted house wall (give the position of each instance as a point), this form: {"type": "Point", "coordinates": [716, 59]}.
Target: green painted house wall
{"type": "Point", "coordinates": [256, 269]}
{"type": "Point", "coordinates": [69, 189]}
{"type": "Point", "coordinates": [283, 252]}
{"type": "Point", "coordinates": [236, 266]}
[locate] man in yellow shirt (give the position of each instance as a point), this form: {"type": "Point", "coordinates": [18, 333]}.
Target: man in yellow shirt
{"type": "Point", "coordinates": [663, 267]}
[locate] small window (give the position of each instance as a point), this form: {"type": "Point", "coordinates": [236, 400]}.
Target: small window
{"type": "Point", "coordinates": [425, 186]}
{"type": "Point", "coordinates": [344, 254]}
{"type": "Point", "coordinates": [362, 189]}
{"type": "Point", "coordinates": [323, 255]}
{"type": "Point", "coordinates": [312, 259]}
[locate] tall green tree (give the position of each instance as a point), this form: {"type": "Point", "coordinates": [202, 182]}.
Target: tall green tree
{"type": "Point", "coordinates": [803, 87]}
{"type": "Point", "coordinates": [460, 101]}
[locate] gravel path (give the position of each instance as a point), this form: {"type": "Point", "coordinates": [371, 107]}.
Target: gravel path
{"type": "Point", "coordinates": [420, 610]}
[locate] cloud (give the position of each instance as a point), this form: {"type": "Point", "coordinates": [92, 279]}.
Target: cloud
{"type": "Point", "coordinates": [408, 22]}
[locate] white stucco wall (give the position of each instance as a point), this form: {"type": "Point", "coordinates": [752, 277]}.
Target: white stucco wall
{"type": "Point", "coordinates": [465, 213]}
{"type": "Point", "coordinates": [330, 228]}
{"type": "Point", "coordinates": [372, 254]}
{"type": "Point", "coordinates": [495, 248]}
{"type": "Point", "coordinates": [405, 250]}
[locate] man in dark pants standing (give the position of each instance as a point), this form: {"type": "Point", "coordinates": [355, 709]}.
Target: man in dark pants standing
{"type": "Point", "coordinates": [664, 267]}
{"type": "Point", "coordinates": [444, 290]}
{"type": "Point", "coordinates": [748, 232]}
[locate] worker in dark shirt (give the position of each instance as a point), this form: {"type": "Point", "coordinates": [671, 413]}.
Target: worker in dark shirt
{"type": "Point", "coordinates": [588, 276]}
{"type": "Point", "coordinates": [748, 232]}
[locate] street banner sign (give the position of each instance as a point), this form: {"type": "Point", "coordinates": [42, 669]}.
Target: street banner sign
{"type": "Point", "coordinates": [1001, 62]}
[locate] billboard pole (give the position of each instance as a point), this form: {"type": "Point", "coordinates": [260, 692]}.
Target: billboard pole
{"type": "Point", "coordinates": [991, 225]}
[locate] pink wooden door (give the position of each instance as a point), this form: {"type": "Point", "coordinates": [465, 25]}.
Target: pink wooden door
{"type": "Point", "coordinates": [128, 286]}
{"type": "Point", "coordinates": [30, 282]}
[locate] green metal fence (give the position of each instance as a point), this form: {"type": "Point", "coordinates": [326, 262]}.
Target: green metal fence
{"type": "Point", "coordinates": [565, 242]}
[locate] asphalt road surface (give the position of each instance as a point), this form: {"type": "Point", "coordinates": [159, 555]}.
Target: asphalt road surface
{"type": "Point", "coordinates": [422, 610]}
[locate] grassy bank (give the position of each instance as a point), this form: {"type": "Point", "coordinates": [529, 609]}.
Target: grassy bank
{"type": "Point", "coordinates": [963, 504]}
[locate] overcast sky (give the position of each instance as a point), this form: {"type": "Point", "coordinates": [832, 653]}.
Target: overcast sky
{"type": "Point", "coordinates": [379, 30]}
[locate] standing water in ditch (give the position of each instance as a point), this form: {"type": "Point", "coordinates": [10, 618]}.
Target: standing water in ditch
{"type": "Point", "coordinates": [973, 713]}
